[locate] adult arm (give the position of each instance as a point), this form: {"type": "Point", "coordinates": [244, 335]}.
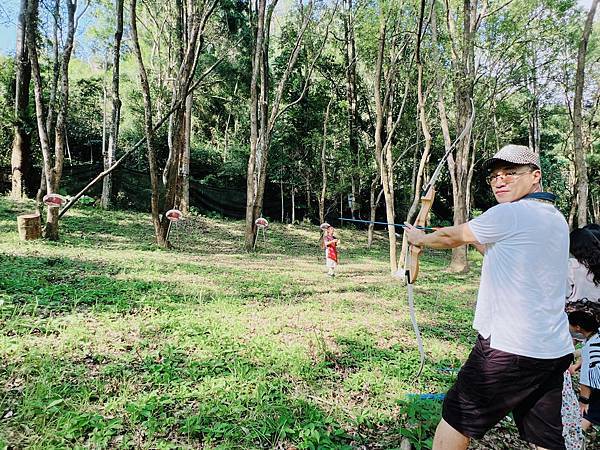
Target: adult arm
{"type": "Point", "coordinates": [584, 392]}
{"type": "Point", "coordinates": [447, 237]}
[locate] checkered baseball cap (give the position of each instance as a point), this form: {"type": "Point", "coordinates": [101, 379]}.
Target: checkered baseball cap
{"type": "Point", "coordinates": [515, 154]}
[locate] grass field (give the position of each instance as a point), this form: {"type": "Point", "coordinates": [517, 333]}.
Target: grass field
{"type": "Point", "coordinates": [109, 342]}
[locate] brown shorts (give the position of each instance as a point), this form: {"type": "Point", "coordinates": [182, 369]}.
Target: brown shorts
{"type": "Point", "coordinates": [493, 383]}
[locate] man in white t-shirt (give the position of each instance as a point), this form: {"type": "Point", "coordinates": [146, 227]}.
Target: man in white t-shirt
{"type": "Point", "coordinates": [524, 345]}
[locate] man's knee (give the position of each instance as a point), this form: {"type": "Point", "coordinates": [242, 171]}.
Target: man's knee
{"type": "Point", "coordinates": [448, 438]}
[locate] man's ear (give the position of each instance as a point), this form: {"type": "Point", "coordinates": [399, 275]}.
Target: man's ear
{"type": "Point", "coordinates": [537, 175]}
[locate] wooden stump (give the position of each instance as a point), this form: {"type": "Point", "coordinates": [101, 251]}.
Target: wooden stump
{"type": "Point", "coordinates": [30, 226]}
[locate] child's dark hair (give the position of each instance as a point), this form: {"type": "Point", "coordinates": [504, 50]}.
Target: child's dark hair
{"type": "Point", "coordinates": [585, 247]}
{"type": "Point", "coordinates": [583, 319]}
{"type": "Point", "coordinates": [594, 228]}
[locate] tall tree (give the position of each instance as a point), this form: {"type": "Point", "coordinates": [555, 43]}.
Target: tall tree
{"type": "Point", "coordinates": [463, 65]}
{"type": "Point", "coordinates": [264, 110]}
{"type": "Point", "coordinates": [387, 117]}
{"type": "Point", "coordinates": [191, 22]}
{"type": "Point", "coordinates": [115, 115]}
{"type": "Point", "coordinates": [321, 199]}
{"type": "Point", "coordinates": [352, 94]}
{"type": "Point", "coordinates": [579, 150]}
{"type": "Point", "coordinates": [21, 148]}
{"type": "Point", "coordinates": [59, 99]}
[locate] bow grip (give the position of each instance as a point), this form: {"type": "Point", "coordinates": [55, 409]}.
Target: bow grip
{"type": "Point", "coordinates": [426, 203]}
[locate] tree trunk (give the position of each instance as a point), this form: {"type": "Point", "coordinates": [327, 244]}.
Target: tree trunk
{"type": "Point", "coordinates": [148, 130]}
{"type": "Point", "coordinates": [420, 176]}
{"type": "Point", "coordinates": [53, 164]}
{"type": "Point", "coordinates": [265, 112]}
{"type": "Point", "coordinates": [351, 90]}
{"type": "Point", "coordinates": [578, 147]}
{"type": "Point", "coordinates": [21, 148]}
{"type": "Point", "coordinates": [53, 178]}
{"type": "Point", "coordinates": [255, 110]}
{"type": "Point", "coordinates": [374, 203]}
{"type": "Point", "coordinates": [387, 178]}
{"type": "Point", "coordinates": [595, 207]}
{"type": "Point", "coordinates": [184, 204]}
{"type": "Point", "coordinates": [189, 46]}
{"type": "Point", "coordinates": [308, 195]}
{"type": "Point", "coordinates": [282, 203]}
{"type": "Point", "coordinates": [324, 164]}
{"type": "Point", "coordinates": [372, 214]}
{"type": "Point", "coordinates": [293, 204]}
{"type": "Point", "coordinates": [115, 117]}
{"type": "Point", "coordinates": [463, 62]}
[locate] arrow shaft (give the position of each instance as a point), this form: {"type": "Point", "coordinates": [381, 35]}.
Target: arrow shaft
{"type": "Point", "coordinates": [385, 223]}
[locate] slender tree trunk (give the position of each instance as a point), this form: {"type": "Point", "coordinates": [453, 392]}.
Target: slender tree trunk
{"type": "Point", "coordinates": [463, 62]}
{"type": "Point", "coordinates": [308, 195]}
{"type": "Point", "coordinates": [324, 164]}
{"type": "Point", "coordinates": [420, 176]}
{"type": "Point", "coordinates": [293, 193]}
{"type": "Point", "coordinates": [387, 178]}
{"type": "Point", "coordinates": [255, 111]}
{"type": "Point", "coordinates": [265, 112]}
{"type": "Point", "coordinates": [351, 90]}
{"type": "Point", "coordinates": [21, 148]}
{"type": "Point", "coordinates": [148, 129]}
{"type": "Point", "coordinates": [184, 204]}
{"type": "Point", "coordinates": [53, 163]}
{"type": "Point", "coordinates": [373, 204]}
{"type": "Point", "coordinates": [372, 214]}
{"type": "Point", "coordinates": [192, 22]}
{"type": "Point", "coordinates": [282, 203]}
{"type": "Point", "coordinates": [53, 178]}
{"type": "Point", "coordinates": [578, 147]}
{"type": "Point", "coordinates": [115, 117]}
{"type": "Point", "coordinates": [595, 207]}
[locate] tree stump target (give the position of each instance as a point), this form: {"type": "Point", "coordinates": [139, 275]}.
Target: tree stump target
{"type": "Point", "coordinates": [30, 226]}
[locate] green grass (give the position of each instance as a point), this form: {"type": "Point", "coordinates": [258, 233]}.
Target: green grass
{"type": "Point", "coordinates": [107, 341]}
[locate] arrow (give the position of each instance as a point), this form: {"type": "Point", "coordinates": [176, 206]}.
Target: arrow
{"type": "Point", "coordinates": [385, 223]}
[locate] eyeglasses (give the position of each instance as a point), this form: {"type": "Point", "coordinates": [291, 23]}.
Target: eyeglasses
{"type": "Point", "coordinates": [508, 177]}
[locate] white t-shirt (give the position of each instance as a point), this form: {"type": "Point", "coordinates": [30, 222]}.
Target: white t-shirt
{"type": "Point", "coordinates": [580, 284]}
{"type": "Point", "coordinates": [521, 296]}
{"type": "Point", "coordinates": [590, 363]}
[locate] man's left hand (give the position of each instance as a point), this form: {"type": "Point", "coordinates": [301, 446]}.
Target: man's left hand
{"type": "Point", "coordinates": [413, 234]}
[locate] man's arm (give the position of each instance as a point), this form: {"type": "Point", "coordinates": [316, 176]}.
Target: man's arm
{"type": "Point", "coordinates": [447, 237]}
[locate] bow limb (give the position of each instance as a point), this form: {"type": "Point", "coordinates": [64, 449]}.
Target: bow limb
{"type": "Point", "coordinates": [413, 319]}
{"type": "Point", "coordinates": [411, 267]}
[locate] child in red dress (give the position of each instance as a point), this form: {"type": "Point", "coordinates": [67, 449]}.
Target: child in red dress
{"type": "Point", "coordinates": [330, 243]}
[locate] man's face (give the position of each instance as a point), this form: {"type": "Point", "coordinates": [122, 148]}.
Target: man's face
{"type": "Point", "coordinates": [511, 182]}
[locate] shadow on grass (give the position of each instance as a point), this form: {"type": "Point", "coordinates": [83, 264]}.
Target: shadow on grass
{"type": "Point", "coordinates": [361, 353]}
{"type": "Point", "coordinates": [46, 286]}
{"type": "Point", "coordinates": [42, 286]}
{"type": "Point", "coordinates": [227, 400]}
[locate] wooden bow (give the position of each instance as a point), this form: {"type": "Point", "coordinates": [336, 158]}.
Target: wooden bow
{"type": "Point", "coordinates": [411, 252]}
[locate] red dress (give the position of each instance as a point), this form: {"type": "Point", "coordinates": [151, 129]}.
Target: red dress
{"type": "Point", "coordinates": [331, 249]}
